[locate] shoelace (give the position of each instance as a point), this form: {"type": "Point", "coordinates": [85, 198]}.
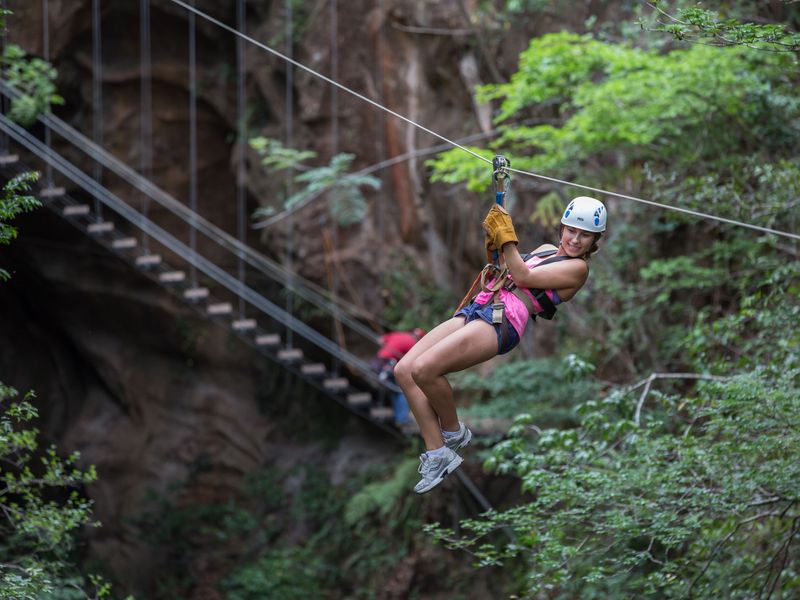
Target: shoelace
{"type": "Point", "coordinates": [423, 461]}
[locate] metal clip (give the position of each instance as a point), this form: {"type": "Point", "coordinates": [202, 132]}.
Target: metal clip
{"type": "Point", "coordinates": [498, 309]}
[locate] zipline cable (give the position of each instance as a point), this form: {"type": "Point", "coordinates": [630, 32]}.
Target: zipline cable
{"type": "Point", "coordinates": [342, 87]}
{"type": "Point", "coordinates": [681, 209]}
{"type": "Point", "coordinates": [371, 169]}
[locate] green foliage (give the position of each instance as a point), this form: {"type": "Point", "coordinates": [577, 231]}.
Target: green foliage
{"type": "Point", "coordinates": [34, 79]}
{"type": "Point", "coordinates": [13, 203]}
{"type": "Point", "coordinates": [274, 155]}
{"type": "Point", "coordinates": [381, 497]}
{"type": "Point", "coordinates": [414, 299]}
{"type": "Point", "coordinates": [700, 25]}
{"type": "Point", "coordinates": [547, 387]}
{"type": "Point", "coordinates": [346, 202]}
{"type": "Point", "coordinates": [621, 511]}
{"type": "Point", "coordinates": [282, 574]}
{"type": "Point", "coordinates": [40, 510]}
{"type": "Point", "coordinates": [630, 106]}
{"type": "Point", "coordinates": [680, 488]}
{"type": "Point", "coordinates": [294, 533]}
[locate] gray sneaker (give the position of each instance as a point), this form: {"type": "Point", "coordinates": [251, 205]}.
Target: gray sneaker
{"type": "Point", "coordinates": [461, 440]}
{"type": "Point", "coordinates": [435, 469]}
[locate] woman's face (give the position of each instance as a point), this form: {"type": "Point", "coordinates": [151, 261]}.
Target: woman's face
{"type": "Point", "coordinates": [576, 242]}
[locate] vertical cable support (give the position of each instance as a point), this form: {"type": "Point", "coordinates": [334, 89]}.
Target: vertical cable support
{"type": "Point", "coordinates": [48, 170]}
{"type": "Point", "coordinates": [334, 26]}
{"type": "Point", "coordinates": [381, 116]}
{"type": "Point", "coordinates": [241, 107]}
{"type": "Point", "coordinates": [193, 141]}
{"type": "Point", "coordinates": [289, 100]}
{"type": "Point", "coordinates": [146, 109]}
{"type": "Point", "coordinates": [4, 146]}
{"type": "Point", "coordinates": [97, 95]}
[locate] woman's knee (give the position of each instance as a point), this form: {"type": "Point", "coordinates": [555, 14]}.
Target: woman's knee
{"type": "Point", "coordinates": [402, 372]}
{"type": "Point", "coordinates": [423, 371]}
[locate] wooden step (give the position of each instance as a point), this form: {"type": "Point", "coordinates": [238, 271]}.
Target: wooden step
{"type": "Point", "coordinates": [100, 227]}
{"type": "Point", "coordinates": [268, 340]}
{"type": "Point", "coordinates": [381, 413]}
{"type": "Point", "coordinates": [75, 210]}
{"type": "Point", "coordinates": [125, 243]}
{"type": "Point", "coordinates": [171, 276]}
{"type": "Point", "coordinates": [9, 159]}
{"type": "Point", "coordinates": [313, 369]}
{"type": "Point", "coordinates": [52, 192]}
{"type": "Point", "coordinates": [219, 309]}
{"type": "Point", "coordinates": [290, 354]}
{"type": "Point", "coordinates": [148, 260]}
{"type": "Point", "coordinates": [359, 399]}
{"type": "Point", "coordinates": [335, 384]}
{"type": "Point", "coordinates": [244, 324]}
{"type": "Point", "coordinates": [196, 293]}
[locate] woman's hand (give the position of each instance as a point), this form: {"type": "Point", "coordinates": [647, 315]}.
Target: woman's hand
{"type": "Point", "coordinates": [499, 228]}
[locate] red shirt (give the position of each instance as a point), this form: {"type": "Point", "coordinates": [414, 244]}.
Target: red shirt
{"type": "Point", "coordinates": [396, 344]}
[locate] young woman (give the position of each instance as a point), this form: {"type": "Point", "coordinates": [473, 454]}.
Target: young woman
{"type": "Point", "coordinates": [491, 324]}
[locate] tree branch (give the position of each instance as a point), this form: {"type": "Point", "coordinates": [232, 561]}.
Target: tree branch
{"type": "Point", "coordinates": [647, 382]}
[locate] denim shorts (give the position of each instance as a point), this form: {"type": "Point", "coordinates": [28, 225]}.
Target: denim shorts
{"type": "Point", "coordinates": [474, 311]}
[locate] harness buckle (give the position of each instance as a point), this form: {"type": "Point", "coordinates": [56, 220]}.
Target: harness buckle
{"type": "Point", "coordinates": [498, 309]}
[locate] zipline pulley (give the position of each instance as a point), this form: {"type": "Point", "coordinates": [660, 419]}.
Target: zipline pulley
{"type": "Point", "coordinates": [501, 180]}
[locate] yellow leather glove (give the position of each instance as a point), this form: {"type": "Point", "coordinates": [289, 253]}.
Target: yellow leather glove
{"type": "Point", "coordinates": [499, 228]}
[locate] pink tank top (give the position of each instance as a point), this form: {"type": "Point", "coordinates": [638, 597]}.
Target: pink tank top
{"type": "Point", "coordinates": [516, 311]}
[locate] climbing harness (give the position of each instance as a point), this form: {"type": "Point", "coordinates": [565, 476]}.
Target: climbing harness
{"type": "Point", "coordinates": [547, 309]}
{"type": "Point", "coordinates": [494, 277]}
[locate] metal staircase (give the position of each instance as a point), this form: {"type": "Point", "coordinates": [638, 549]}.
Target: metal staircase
{"type": "Point", "coordinates": [127, 232]}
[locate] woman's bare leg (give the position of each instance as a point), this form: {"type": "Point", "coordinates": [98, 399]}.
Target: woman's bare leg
{"type": "Point", "coordinates": [471, 345]}
{"type": "Point", "coordinates": [424, 413]}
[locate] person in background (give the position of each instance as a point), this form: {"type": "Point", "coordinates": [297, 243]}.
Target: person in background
{"type": "Point", "coordinates": [394, 346]}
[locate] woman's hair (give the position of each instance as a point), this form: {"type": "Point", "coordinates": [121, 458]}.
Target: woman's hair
{"type": "Point", "coordinates": [594, 248]}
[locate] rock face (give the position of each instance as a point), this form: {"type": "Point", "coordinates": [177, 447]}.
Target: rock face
{"type": "Point", "coordinates": [145, 388]}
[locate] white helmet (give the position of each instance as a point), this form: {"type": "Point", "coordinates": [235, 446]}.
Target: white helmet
{"type": "Point", "coordinates": [585, 213]}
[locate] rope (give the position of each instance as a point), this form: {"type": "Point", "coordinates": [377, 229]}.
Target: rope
{"type": "Point", "coordinates": [4, 103]}
{"type": "Point", "coordinates": [145, 101]}
{"type": "Point", "coordinates": [695, 213]}
{"type": "Point", "coordinates": [336, 326]}
{"type": "Point", "coordinates": [192, 143]}
{"type": "Point", "coordinates": [97, 96]}
{"type": "Point", "coordinates": [241, 108]}
{"type": "Point", "coordinates": [289, 99]}
{"type": "Point", "coordinates": [48, 177]}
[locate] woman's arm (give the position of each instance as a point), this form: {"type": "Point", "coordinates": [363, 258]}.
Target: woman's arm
{"type": "Point", "coordinates": [567, 275]}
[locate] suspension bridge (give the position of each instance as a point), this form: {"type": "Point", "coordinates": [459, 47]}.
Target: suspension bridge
{"type": "Point", "coordinates": [215, 272]}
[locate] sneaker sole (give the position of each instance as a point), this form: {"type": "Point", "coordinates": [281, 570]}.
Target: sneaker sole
{"type": "Point", "coordinates": [454, 464]}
